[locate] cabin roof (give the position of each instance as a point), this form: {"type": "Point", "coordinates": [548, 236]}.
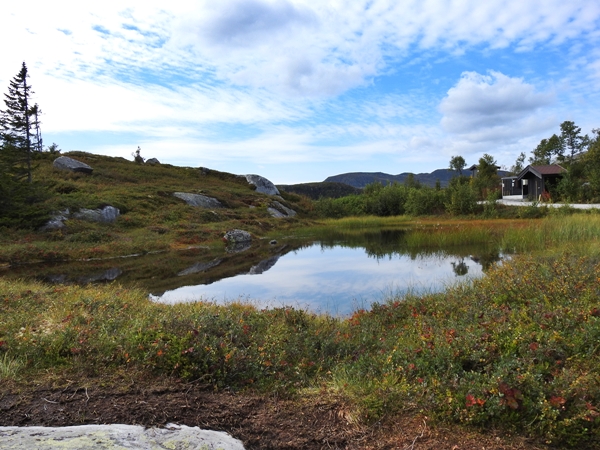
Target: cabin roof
{"type": "Point", "coordinates": [541, 171]}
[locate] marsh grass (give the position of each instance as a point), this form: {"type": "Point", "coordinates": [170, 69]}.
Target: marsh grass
{"type": "Point", "coordinates": [9, 367]}
{"type": "Point", "coordinates": [582, 230]}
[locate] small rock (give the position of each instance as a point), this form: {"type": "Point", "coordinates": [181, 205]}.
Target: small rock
{"type": "Point", "coordinates": [237, 236]}
{"type": "Point", "coordinates": [273, 242]}
{"type": "Point", "coordinates": [152, 161]}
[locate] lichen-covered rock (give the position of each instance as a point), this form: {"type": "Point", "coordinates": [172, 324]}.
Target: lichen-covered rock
{"type": "Point", "coordinates": [280, 211]}
{"type": "Point", "coordinates": [237, 236]}
{"type": "Point", "coordinates": [263, 185]}
{"type": "Point", "coordinates": [198, 200]}
{"type": "Point", "coordinates": [108, 214]}
{"type": "Point", "coordinates": [116, 436]}
{"type": "Point", "coordinates": [66, 163]}
{"type": "Point", "coordinates": [152, 161]}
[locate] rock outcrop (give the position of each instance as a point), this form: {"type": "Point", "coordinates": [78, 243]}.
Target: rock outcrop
{"type": "Point", "coordinates": [280, 211]}
{"type": "Point", "coordinates": [152, 161]}
{"type": "Point", "coordinates": [263, 185]}
{"type": "Point", "coordinates": [108, 214]}
{"type": "Point", "coordinates": [66, 163]}
{"type": "Point", "coordinates": [198, 200]}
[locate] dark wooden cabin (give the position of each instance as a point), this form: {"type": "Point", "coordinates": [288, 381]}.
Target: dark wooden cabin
{"type": "Point", "coordinates": [531, 182]}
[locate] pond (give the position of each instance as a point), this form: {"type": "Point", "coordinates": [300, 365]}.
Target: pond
{"type": "Point", "coordinates": [335, 273]}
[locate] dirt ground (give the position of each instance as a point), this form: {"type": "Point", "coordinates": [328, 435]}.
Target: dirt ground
{"type": "Point", "coordinates": [259, 422]}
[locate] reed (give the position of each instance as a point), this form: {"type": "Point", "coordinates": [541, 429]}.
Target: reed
{"type": "Point", "coordinates": [554, 231]}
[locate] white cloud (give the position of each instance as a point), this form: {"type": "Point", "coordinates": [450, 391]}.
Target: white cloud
{"type": "Point", "coordinates": [248, 23]}
{"type": "Point", "coordinates": [308, 78]}
{"type": "Point", "coordinates": [493, 107]}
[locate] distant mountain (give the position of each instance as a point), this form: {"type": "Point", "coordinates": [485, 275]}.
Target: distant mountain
{"type": "Point", "coordinates": [318, 190]}
{"type": "Point", "coordinates": [361, 179]}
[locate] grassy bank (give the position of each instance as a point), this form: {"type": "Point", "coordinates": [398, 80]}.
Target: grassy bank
{"type": "Point", "coordinates": [517, 349]}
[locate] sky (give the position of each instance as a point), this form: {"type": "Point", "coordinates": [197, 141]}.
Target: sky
{"type": "Point", "coordinates": [299, 90]}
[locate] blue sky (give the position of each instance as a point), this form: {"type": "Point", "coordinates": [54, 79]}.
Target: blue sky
{"type": "Point", "coordinates": [298, 90]}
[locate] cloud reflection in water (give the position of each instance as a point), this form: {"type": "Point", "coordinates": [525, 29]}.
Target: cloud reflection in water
{"type": "Point", "coordinates": [336, 280]}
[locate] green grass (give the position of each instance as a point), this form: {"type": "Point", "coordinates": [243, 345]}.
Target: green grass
{"type": "Point", "coordinates": [9, 367]}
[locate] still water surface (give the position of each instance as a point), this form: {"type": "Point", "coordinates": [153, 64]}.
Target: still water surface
{"type": "Point", "coordinates": [334, 273]}
{"type": "Point", "coordinates": [333, 279]}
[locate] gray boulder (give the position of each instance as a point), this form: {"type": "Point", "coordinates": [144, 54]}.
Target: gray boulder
{"type": "Point", "coordinates": [237, 236]}
{"type": "Point", "coordinates": [152, 161]}
{"type": "Point", "coordinates": [66, 163]}
{"type": "Point", "coordinates": [237, 241]}
{"type": "Point", "coordinates": [280, 211]}
{"type": "Point", "coordinates": [57, 221]}
{"type": "Point", "coordinates": [108, 214]}
{"type": "Point", "coordinates": [263, 185]}
{"type": "Point", "coordinates": [200, 201]}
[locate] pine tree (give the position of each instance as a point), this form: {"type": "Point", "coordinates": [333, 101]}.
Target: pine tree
{"type": "Point", "coordinates": [19, 127]}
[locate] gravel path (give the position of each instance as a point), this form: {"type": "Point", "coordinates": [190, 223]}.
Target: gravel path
{"type": "Point", "coordinates": [550, 205]}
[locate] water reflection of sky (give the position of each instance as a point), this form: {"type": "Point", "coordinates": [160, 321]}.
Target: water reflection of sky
{"type": "Point", "coordinates": [336, 280]}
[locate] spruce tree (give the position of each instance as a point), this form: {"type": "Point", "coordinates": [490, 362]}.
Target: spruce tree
{"type": "Point", "coordinates": [20, 199]}
{"type": "Point", "coordinates": [19, 126]}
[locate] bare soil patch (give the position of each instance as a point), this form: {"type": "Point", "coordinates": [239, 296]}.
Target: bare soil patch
{"type": "Point", "coordinates": [260, 422]}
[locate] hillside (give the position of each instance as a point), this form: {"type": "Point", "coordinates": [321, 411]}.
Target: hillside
{"type": "Point", "coordinates": [150, 217]}
{"type": "Point", "coordinates": [319, 190]}
{"type": "Point", "coordinates": [361, 179]}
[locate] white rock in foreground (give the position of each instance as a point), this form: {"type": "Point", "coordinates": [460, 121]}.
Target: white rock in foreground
{"type": "Point", "coordinates": [115, 437]}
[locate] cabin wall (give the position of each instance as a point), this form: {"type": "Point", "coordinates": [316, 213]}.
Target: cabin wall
{"type": "Point", "coordinates": [511, 187]}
